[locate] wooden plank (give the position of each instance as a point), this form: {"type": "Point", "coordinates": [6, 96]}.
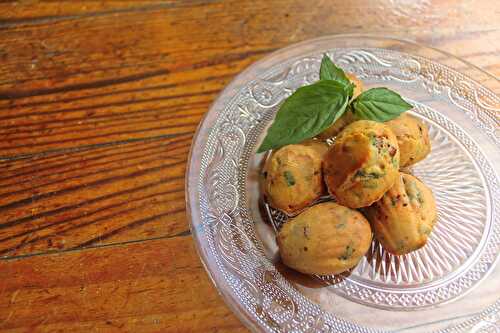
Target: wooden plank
{"type": "Point", "coordinates": [22, 13]}
{"type": "Point", "coordinates": [157, 286]}
{"type": "Point", "coordinates": [115, 193]}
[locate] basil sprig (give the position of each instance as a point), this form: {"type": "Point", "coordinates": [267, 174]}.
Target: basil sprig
{"type": "Point", "coordinates": [306, 113]}
{"type": "Point", "coordinates": [313, 108]}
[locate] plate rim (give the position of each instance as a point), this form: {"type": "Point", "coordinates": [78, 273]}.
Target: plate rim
{"type": "Point", "coordinates": [191, 182]}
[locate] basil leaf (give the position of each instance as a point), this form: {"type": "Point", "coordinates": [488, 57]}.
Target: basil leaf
{"type": "Point", "coordinates": [379, 104]}
{"type": "Point", "coordinates": [349, 89]}
{"type": "Point", "coordinates": [328, 71]}
{"type": "Point", "coordinates": [306, 113]}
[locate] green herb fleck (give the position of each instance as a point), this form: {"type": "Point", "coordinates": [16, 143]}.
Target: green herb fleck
{"type": "Point", "coordinates": [419, 198]}
{"type": "Point", "coordinates": [368, 175]}
{"type": "Point", "coordinates": [378, 143]}
{"type": "Point", "coordinates": [414, 193]}
{"type": "Point", "coordinates": [395, 162]}
{"type": "Point", "coordinates": [423, 229]}
{"type": "Point", "coordinates": [373, 139]}
{"type": "Point", "coordinates": [290, 181]}
{"type": "Point", "coordinates": [340, 225]}
{"type": "Point", "coordinates": [366, 178]}
{"type": "Point", "coordinates": [369, 184]}
{"type": "Point", "coordinates": [349, 250]}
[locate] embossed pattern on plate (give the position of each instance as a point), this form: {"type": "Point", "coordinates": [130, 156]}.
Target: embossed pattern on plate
{"type": "Point", "coordinates": [462, 250]}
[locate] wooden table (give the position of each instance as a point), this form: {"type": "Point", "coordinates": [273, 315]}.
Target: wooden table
{"type": "Point", "coordinates": [98, 105]}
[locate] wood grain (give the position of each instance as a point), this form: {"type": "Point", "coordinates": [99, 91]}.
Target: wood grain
{"type": "Point", "coordinates": [63, 87]}
{"type": "Point", "coordinates": [158, 286]}
{"type": "Point", "coordinates": [99, 101]}
{"type": "Point", "coordinates": [59, 103]}
{"type": "Point", "coordinates": [115, 193]}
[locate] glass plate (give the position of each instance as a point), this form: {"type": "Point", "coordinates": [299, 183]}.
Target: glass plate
{"type": "Point", "coordinates": [450, 285]}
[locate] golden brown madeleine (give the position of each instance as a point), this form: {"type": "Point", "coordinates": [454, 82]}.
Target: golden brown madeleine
{"type": "Point", "coordinates": [413, 138]}
{"type": "Point", "coordinates": [326, 238]}
{"type": "Point", "coordinates": [320, 146]}
{"type": "Point", "coordinates": [332, 131]}
{"type": "Point", "coordinates": [348, 116]}
{"type": "Point", "coordinates": [293, 177]}
{"type": "Point", "coordinates": [403, 219]}
{"type": "Point", "coordinates": [362, 164]}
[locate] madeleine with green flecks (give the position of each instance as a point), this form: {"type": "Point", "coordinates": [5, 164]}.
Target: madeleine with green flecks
{"type": "Point", "coordinates": [362, 164]}
{"type": "Point", "coordinates": [326, 238]}
{"type": "Point", "coordinates": [413, 139]}
{"type": "Point", "coordinates": [293, 177]}
{"type": "Point", "coordinates": [405, 216]}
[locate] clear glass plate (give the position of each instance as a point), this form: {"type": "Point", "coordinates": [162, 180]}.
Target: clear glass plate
{"type": "Point", "coordinates": [450, 285]}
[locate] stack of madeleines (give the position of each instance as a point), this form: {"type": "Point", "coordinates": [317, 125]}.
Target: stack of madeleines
{"type": "Point", "coordinates": [361, 170]}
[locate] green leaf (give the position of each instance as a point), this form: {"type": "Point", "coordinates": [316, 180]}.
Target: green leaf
{"type": "Point", "coordinates": [306, 113]}
{"type": "Point", "coordinates": [328, 71]}
{"type": "Point", "coordinates": [379, 104]}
